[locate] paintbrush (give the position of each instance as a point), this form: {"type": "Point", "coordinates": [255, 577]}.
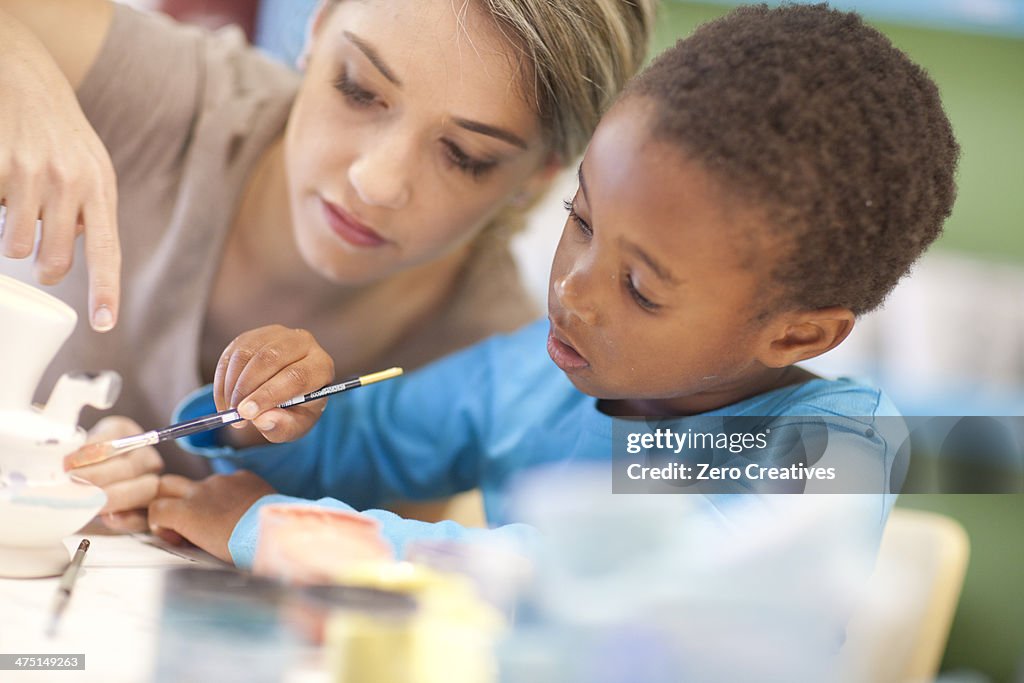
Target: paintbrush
{"type": "Point", "coordinates": [67, 582]}
{"type": "Point", "coordinates": [100, 451]}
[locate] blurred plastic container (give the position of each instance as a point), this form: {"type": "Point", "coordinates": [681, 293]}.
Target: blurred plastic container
{"type": "Point", "coordinates": [452, 635]}
{"type": "Point", "coordinates": [370, 634]}
{"type": "Point", "coordinates": [710, 588]}
{"type": "Point", "coordinates": [222, 625]}
{"type": "Point", "coordinates": [308, 608]}
{"type": "Point", "coordinates": [498, 573]}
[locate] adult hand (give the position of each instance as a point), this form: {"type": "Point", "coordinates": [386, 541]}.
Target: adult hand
{"type": "Point", "coordinates": [53, 168]}
{"type": "Point", "coordinates": [130, 480]}
{"type": "Point", "coordinates": [205, 512]}
{"type": "Point", "coordinates": [265, 367]}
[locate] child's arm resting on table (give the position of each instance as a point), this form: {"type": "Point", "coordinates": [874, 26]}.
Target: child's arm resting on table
{"type": "Point", "coordinates": [221, 515]}
{"type": "Point", "coordinates": [421, 436]}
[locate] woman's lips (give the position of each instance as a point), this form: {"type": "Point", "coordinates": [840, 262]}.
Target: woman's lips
{"type": "Point", "coordinates": [348, 228]}
{"type": "Point", "coordinates": [565, 357]}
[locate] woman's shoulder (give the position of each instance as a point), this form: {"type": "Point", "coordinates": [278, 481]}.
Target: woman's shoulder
{"type": "Point", "coordinates": [154, 80]}
{"type": "Point", "coordinates": [139, 42]}
{"type": "Point", "coordinates": [224, 57]}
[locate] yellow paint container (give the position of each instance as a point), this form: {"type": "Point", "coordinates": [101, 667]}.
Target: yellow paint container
{"type": "Point", "coordinates": [450, 638]}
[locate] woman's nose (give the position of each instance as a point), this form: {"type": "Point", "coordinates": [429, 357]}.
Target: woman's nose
{"type": "Point", "coordinates": [380, 176]}
{"type": "Point", "coordinates": [572, 292]}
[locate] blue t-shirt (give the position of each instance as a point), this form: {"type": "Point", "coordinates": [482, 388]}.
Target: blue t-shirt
{"type": "Point", "coordinates": [479, 418]}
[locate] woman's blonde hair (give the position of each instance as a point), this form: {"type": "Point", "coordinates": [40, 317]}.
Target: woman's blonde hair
{"type": "Point", "coordinates": [576, 55]}
{"type": "Point", "coordinates": [574, 58]}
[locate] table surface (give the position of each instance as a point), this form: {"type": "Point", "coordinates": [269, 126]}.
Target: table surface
{"type": "Point", "coordinates": [113, 614]}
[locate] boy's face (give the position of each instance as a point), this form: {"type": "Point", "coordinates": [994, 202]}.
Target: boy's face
{"type": "Point", "coordinates": [655, 285]}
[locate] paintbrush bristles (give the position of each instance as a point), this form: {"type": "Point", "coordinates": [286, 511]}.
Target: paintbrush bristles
{"type": "Point", "coordinates": [88, 454]}
{"type": "Point", "coordinates": [93, 453]}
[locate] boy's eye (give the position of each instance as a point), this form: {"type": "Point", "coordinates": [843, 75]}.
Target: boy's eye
{"type": "Point", "coordinates": [583, 226]}
{"type": "Point", "coordinates": [643, 301]}
{"type": "Point", "coordinates": [472, 166]}
{"type": "Point", "coordinates": [355, 94]}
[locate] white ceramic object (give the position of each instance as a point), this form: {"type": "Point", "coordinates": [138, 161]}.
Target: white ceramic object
{"type": "Point", "coordinates": [39, 503]}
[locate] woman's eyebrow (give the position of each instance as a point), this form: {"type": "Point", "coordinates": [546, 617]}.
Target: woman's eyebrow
{"type": "Point", "coordinates": [474, 126]}
{"type": "Point", "coordinates": [493, 131]}
{"type": "Point", "coordinates": [374, 57]}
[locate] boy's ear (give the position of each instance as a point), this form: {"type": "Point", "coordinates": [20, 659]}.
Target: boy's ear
{"type": "Point", "coordinates": [799, 335]}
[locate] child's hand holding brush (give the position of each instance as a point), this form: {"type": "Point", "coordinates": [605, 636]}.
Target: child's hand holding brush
{"type": "Point", "coordinates": [257, 372]}
{"type": "Point", "coordinates": [263, 368]}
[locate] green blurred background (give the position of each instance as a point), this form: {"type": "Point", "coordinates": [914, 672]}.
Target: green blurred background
{"type": "Point", "coordinates": [988, 630]}
{"type": "Point", "coordinates": [981, 78]}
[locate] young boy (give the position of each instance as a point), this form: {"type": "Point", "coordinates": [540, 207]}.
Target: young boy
{"type": "Point", "coordinates": [758, 187]}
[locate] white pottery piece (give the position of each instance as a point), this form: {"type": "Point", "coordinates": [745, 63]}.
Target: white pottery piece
{"type": "Point", "coordinates": [39, 503]}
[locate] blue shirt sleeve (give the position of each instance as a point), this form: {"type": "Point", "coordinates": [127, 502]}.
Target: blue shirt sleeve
{"type": "Point", "coordinates": [420, 436]}
{"type": "Point", "coordinates": [396, 530]}
{"type": "Point", "coordinates": [416, 437]}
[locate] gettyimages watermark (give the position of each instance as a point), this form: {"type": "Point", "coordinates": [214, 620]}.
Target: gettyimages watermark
{"type": "Point", "coordinates": [821, 454]}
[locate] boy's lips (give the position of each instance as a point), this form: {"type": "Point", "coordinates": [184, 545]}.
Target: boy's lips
{"type": "Point", "coordinates": [348, 228]}
{"type": "Point", "coordinates": [564, 354]}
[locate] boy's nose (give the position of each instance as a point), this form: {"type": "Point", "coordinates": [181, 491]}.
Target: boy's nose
{"type": "Point", "coordinates": [380, 177]}
{"type": "Point", "coordinates": [572, 296]}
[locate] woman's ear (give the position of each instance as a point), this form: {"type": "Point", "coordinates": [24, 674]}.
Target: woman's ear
{"type": "Point", "coordinates": [799, 335]}
{"type": "Point", "coordinates": [313, 29]}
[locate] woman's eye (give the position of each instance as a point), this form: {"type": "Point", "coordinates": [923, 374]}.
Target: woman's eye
{"type": "Point", "coordinates": [583, 226]}
{"type": "Point", "coordinates": [473, 167]}
{"type": "Point", "coordinates": [643, 301]}
{"type": "Point", "coordinates": [355, 94]}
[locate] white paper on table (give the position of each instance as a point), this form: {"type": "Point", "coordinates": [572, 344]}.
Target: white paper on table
{"type": "Point", "coordinates": [112, 616]}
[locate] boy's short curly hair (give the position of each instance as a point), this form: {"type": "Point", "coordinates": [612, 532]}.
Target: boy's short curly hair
{"type": "Point", "coordinates": [816, 118]}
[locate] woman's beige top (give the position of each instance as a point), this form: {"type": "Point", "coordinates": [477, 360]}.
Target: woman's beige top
{"type": "Point", "coordinates": [185, 114]}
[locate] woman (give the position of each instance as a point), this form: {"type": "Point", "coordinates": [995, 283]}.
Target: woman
{"type": "Point", "coordinates": [369, 201]}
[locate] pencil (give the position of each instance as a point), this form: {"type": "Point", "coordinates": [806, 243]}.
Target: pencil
{"type": "Point", "coordinates": [67, 582]}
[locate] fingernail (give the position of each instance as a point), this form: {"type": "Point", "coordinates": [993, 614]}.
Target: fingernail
{"type": "Point", "coordinates": [102, 319]}
{"type": "Point", "coordinates": [265, 424]}
{"type": "Point", "coordinates": [248, 410]}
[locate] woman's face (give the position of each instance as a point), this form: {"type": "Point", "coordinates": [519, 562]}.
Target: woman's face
{"type": "Point", "coordinates": [407, 136]}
